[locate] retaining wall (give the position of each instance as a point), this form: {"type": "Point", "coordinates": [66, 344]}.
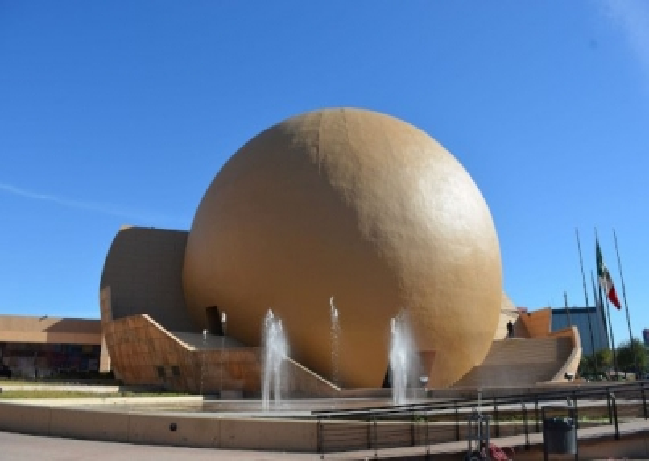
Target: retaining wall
{"type": "Point", "coordinates": [194, 430]}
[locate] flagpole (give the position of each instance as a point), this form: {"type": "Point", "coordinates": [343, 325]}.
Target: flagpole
{"type": "Point", "coordinates": [565, 299]}
{"type": "Point", "coordinates": [608, 313]}
{"type": "Point", "coordinates": [610, 327]}
{"type": "Point", "coordinates": [583, 278]}
{"type": "Point", "coordinates": [626, 306]}
{"type": "Point", "coordinates": [602, 315]}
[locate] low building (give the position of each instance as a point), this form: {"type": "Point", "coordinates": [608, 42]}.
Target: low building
{"type": "Point", "coordinates": [49, 346]}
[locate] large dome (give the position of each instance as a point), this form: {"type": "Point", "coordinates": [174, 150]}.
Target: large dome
{"type": "Point", "coordinates": [359, 206]}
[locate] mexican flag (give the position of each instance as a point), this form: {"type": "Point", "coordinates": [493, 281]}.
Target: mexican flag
{"type": "Point", "coordinates": [605, 280]}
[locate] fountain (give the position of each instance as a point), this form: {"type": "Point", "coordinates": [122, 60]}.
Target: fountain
{"type": "Point", "coordinates": [275, 352]}
{"type": "Point", "coordinates": [224, 323]}
{"type": "Point", "coordinates": [402, 356]}
{"type": "Point", "coordinates": [203, 362]}
{"type": "Point", "coordinates": [335, 338]}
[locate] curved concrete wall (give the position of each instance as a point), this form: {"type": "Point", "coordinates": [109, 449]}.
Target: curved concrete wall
{"type": "Point", "coordinates": [535, 324]}
{"type": "Point", "coordinates": [143, 270]}
{"type": "Point", "coordinates": [298, 436]}
{"type": "Point", "coordinates": [191, 430]}
{"type": "Point", "coordinates": [571, 363]}
{"type": "Point", "coordinates": [508, 312]}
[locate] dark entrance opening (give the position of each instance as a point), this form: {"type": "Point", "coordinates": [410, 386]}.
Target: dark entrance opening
{"type": "Point", "coordinates": [387, 380]}
{"type": "Point", "coordinates": [214, 326]}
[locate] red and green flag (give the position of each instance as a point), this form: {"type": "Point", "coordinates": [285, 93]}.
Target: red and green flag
{"type": "Point", "coordinates": [605, 280]}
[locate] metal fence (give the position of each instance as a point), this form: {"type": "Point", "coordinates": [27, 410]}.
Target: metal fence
{"type": "Point", "coordinates": [425, 424]}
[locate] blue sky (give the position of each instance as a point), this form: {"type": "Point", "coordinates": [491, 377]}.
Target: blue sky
{"type": "Point", "coordinates": [123, 112]}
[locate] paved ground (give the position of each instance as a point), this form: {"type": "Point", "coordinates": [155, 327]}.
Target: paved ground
{"type": "Point", "coordinates": [18, 447]}
{"type": "Point", "coordinates": [24, 447]}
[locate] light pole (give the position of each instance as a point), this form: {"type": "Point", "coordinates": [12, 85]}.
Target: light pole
{"type": "Point", "coordinates": [224, 323]}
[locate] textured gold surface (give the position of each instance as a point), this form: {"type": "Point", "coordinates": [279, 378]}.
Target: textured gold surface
{"type": "Point", "coordinates": [360, 206]}
{"type": "Point", "coordinates": [139, 347]}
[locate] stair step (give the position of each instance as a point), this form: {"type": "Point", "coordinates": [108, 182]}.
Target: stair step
{"type": "Point", "coordinates": [519, 361]}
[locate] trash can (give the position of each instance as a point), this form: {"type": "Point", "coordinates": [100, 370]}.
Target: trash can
{"type": "Point", "coordinates": [559, 436]}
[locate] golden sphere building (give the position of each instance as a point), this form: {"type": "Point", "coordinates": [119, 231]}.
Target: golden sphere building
{"type": "Point", "coordinates": [343, 203]}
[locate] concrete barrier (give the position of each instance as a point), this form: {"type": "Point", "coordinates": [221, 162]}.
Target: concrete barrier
{"type": "Point", "coordinates": [191, 430]}
{"type": "Point", "coordinates": [187, 431]}
{"type": "Point", "coordinates": [25, 419]}
{"type": "Point", "coordinates": [270, 434]}
{"type": "Point", "coordinates": [87, 424]}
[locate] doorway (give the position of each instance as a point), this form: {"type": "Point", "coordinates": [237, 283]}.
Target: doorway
{"type": "Point", "coordinates": [214, 326]}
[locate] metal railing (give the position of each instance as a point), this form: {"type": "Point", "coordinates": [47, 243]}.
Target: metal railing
{"type": "Point", "coordinates": [437, 421]}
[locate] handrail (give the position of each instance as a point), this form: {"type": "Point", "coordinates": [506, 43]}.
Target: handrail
{"type": "Point", "coordinates": [375, 428]}
{"type": "Point", "coordinates": [450, 404]}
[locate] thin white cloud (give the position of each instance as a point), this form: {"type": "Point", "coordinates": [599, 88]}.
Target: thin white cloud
{"type": "Point", "coordinates": [632, 18]}
{"type": "Point", "coordinates": [106, 209]}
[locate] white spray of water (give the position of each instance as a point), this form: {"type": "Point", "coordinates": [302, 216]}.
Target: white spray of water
{"type": "Point", "coordinates": [402, 356]}
{"type": "Point", "coordinates": [335, 338]}
{"type": "Point", "coordinates": [275, 351]}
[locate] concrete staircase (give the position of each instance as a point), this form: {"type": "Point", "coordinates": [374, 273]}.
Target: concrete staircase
{"type": "Point", "coordinates": [197, 341]}
{"type": "Point", "coordinates": [219, 366]}
{"type": "Point", "coordinates": [229, 358]}
{"type": "Point", "coordinates": [519, 361]}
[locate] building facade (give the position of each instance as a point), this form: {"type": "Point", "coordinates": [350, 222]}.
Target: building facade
{"type": "Point", "coordinates": [325, 207]}
{"type": "Point", "coordinates": [586, 319]}
{"type": "Point", "coordinates": [36, 347]}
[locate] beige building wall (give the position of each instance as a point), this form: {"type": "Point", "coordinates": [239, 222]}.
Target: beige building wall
{"type": "Point", "coordinates": [508, 312]}
{"type": "Point", "coordinates": [106, 313]}
{"type": "Point", "coordinates": [571, 364]}
{"type": "Point", "coordinates": [535, 324]}
{"type": "Point", "coordinates": [143, 269]}
{"type": "Point", "coordinates": [53, 330]}
{"type": "Point", "coordinates": [104, 358]}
